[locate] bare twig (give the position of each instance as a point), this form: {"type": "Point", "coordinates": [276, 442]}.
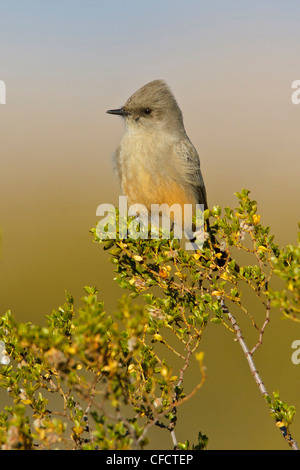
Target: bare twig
{"type": "Point", "coordinates": [244, 347]}
{"type": "Point", "coordinates": [261, 332]}
{"type": "Point", "coordinates": [287, 436]}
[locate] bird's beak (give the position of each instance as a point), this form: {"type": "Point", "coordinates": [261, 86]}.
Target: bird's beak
{"type": "Point", "coordinates": [120, 112]}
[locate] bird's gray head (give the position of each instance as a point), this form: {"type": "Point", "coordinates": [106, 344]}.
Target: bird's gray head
{"type": "Point", "coordinates": [152, 107]}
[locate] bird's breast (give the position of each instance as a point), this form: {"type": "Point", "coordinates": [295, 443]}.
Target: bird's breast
{"type": "Point", "coordinates": [146, 168]}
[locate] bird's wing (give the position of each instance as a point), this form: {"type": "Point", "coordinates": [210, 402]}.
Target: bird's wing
{"type": "Point", "coordinates": [191, 172]}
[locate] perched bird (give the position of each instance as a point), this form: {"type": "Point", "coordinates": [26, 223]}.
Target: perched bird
{"type": "Point", "coordinates": [155, 160]}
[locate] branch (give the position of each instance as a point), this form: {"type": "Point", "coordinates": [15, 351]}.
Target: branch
{"type": "Point", "coordinates": [261, 332]}
{"type": "Point", "coordinates": [287, 436]}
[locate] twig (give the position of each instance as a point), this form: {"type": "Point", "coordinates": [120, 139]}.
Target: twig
{"type": "Point", "coordinates": [261, 332]}
{"type": "Point", "coordinates": [244, 347]}
{"type": "Point", "coordinates": [92, 393]}
{"type": "Point", "coordinates": [171, 426]}
{"type": "Point", "coordinates": [174, 439]}
{"type": "Point", "coordinates": [253, 369]}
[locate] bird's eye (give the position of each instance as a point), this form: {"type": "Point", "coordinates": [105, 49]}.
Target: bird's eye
{"type": "Point", "coordinates": [147, 111]}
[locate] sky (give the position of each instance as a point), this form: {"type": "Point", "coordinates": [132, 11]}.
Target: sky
{"type": "Point", "coordinates": [230, 66]}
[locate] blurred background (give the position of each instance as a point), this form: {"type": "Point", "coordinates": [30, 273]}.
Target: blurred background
{"type": "Point", "coordinates": [230, 65]}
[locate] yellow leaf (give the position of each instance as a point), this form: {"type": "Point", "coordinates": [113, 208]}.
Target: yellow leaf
{"type": "Point", "coordinates": [27, 401]}
{"type": "Point", "coordinates": [158, 337]}
{"type": "Point", "coordinates": [262, 248]}
{"type": "Point", "coordinates": [206, 214]}
{"type": "Point", "coordinates": [78, 429]}
{"type": "Point", "coordinates": [163, 272]}
{"type": "Point", "coordinates": [225, 276]}
{"type": "Point", "coordinates": [71, 350]}
{"type": "Point", "coordinates": [216, 292]}
{"type": "Point", "coordinates": [199, 356]}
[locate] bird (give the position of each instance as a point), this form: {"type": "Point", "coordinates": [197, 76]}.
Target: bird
{"type": "Point", "coordinates": [155, 160]}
